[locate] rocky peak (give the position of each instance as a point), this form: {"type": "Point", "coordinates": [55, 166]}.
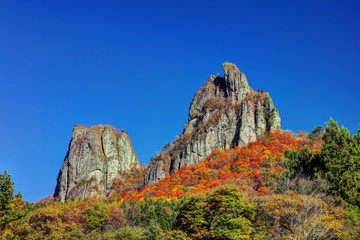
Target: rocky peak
{"type": "Point", "coordinates": [236, 81]}
{"type": "Point", "coordinates": [224, 113]}
{"type": "Point", "coordinates": [94, 159]}
{"type": "Point", "coordinates": [231, 88]}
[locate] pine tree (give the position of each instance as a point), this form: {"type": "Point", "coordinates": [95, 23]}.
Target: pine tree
{"type": "Point", "coordinates": [10, 205]}
{"type": "Point", "coordinates": [6, 191]}
{"type": "Point", "coordinates": [317, 132]}
{"type": "Point", "coordinates": [340, 156]}
{"type": "Point", "coordinates": [303, 163]}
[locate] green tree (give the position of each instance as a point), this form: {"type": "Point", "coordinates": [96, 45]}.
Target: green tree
{"type": "Point", "coordinates": [10, 205]}
{"type": "Point", "coordinates": [96, 215]}
{"type": "Point", "coordinates": [317, 132]}
{"type": "Point", "coordinates": [357, 138]}
{"type": "Point", "coordinates": [220, 214]}
{"type": "Point", "coordinates": [303, 162]}
{"type": "Point", "coordinates": [340, 155]}
{"type": "Point", "coordinates": [338, 162]}
{"type": "Point", "coordinates": [158, 213]}
{"type": "Point", "coordinates": [6, 191]}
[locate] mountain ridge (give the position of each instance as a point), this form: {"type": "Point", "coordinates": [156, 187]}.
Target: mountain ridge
{"type": "Point", "coordinates": [226, 112]}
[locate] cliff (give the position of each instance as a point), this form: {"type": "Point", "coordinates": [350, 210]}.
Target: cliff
{"type": "Point", "coordinates": [94, 159]}
{"type": "Point", "coordinates": [224, 113]}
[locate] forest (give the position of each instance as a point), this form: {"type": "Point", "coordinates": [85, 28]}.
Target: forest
{"type": "Point", "coordinates": [282, 186]}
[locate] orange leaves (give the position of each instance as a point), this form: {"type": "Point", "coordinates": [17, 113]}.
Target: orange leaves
{"type": "Point", "coordinates": [257, 165]}
{"type": "Point", "coordinates": [215, 153]}
{"type": "Point", "coordinates": [133, 180]}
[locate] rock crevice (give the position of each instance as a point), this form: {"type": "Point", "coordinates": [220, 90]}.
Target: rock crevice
{"type": "Point", "coordinates": [94, 159]}
{"type": "Point", "coordinates": [224, 113]}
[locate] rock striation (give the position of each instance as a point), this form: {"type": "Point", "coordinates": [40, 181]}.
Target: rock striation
{"type": "Point", "coordinates": [96, 156]}
{"type": "Point", "coordinates": [224, 113]}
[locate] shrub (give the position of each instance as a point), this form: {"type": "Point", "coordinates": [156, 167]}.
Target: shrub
{"type": "Point", "coordinates": [133, 233]}
{"type": "Point", "coordinates": [175, 235]}
{"type": "Point", "coordinates": [96, 215]}
{"type": "Point", "coordinates": [220, 214]}
{"type": "Point", "coordinates": [296, 216]}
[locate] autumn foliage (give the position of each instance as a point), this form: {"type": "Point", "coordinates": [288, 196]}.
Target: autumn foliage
{"type": "Point", "coordinates": [250, 192]}
{"type": "Point", "coordinates": [254, 167]}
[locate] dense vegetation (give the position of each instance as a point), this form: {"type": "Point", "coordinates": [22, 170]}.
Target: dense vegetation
{"type": "Point", "coordinates": [280, 187]}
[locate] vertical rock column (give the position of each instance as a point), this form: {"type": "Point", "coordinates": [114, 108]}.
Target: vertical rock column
{"type": "Point", "coordinates": [224, 113]}
{"type": "Point", "coordinates": [95, 157]}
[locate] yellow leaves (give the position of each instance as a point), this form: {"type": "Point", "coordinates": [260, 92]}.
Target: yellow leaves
{"type": "Point", "coordinates": [295, 216]}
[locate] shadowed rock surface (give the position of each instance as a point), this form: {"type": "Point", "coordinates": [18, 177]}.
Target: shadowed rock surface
{"type": "Point", "coordinates": [224, 113]}
{"type": "Point", "coordinates": [93, 161]}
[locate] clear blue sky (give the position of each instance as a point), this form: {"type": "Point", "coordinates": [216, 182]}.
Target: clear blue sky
{"type": "Point", "coordinates": [137, 64]}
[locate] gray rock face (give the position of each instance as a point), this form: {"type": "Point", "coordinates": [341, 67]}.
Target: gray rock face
{"type": "Point", "coordinates": [95, 157]}
{"type": "Point", "coordinates": [224, 113]}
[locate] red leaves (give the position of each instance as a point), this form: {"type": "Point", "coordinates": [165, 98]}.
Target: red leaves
{"type": "Point", "coordinates": [257, 165]}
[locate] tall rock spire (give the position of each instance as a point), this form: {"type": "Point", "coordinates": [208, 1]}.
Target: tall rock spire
{"type": "Point", "coordinates": [224, 113]}
{"type": "Point", "coordinates": [95, 157]}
